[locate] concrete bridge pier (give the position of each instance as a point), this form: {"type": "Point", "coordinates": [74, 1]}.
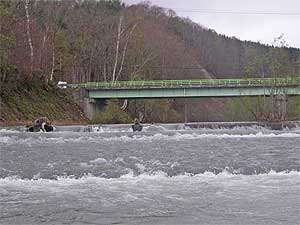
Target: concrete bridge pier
{"type": "Point", "coordinates": [280, 103]}
{"type": "Point", "coordinates": [185, 111]}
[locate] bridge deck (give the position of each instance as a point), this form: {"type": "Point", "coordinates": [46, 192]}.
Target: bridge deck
{"type": "Point", "coordinates": [255, 82]}
{"type": "Point", "coordinates": [191, 88]}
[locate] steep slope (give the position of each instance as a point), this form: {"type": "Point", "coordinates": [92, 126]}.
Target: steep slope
{"type": "Point", "coordinates": [22, 104]}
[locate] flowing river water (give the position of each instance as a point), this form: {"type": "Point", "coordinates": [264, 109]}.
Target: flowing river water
{"type": "Point", "coordinates": [166, 174]}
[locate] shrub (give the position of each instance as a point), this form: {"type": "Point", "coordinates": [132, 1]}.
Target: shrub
{"type": "Point", "coordinates": [112, 114]}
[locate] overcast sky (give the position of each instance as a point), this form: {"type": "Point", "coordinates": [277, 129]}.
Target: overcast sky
{"type": "Point", "coordinates": [255, 20]}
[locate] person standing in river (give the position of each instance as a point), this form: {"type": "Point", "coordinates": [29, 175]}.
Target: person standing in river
{"type": "Point", "coordinates": [137, 125]}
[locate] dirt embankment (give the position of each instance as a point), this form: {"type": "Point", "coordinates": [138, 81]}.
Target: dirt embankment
{"type": "Point", "coordinates": [21, 104]}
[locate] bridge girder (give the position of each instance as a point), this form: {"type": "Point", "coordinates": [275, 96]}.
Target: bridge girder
{"type": "Point", "coordinates": [191, 92]}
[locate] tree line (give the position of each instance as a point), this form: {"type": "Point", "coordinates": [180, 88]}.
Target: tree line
{"type": "Point", "coordinates": [105, 40]}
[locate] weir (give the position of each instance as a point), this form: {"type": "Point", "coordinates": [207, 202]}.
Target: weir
{"type": "Point", "coordinates": [217, 88]}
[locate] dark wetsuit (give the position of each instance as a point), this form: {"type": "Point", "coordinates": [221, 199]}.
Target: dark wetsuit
{"type": "Point", "coordinates": [137, 127]}
{"type": "Point", "coordinates": [40, 125]}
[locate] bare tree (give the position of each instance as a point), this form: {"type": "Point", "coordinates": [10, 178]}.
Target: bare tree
{"type": "Point", "coordinates": [117, 49]}
{"type": "Point", "coordinates": [29, 36]}
{"type": "Point", "coordinates": [125, 50]}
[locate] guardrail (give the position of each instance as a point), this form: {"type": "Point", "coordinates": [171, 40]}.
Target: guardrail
{"type": "Point", "coordinates": [268, 82]}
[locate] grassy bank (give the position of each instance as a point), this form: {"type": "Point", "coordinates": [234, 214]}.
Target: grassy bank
{"type": "Point", "coordinates": [21, 104]}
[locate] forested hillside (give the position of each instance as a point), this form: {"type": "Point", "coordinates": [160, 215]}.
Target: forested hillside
{"type": "Point", "coordinates": [81, 41]}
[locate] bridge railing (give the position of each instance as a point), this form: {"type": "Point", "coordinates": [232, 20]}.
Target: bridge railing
{"type": "Point", "coordinates": [268, 82]}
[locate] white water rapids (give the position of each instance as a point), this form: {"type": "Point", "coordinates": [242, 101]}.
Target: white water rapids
{"type": "Point", "coordinates": [166, 174]}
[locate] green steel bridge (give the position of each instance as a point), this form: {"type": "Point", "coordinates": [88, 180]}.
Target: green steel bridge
{"type": "Point", "coordinates": [191, 88]}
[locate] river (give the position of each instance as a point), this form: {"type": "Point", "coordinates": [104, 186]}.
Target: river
{"type": "Point", "coordinates": [167, 174]}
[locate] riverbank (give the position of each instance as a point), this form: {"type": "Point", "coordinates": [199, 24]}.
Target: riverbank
{"type": "Point", "coordinates": [21, 104]}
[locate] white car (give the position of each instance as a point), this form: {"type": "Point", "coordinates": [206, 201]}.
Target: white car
{"type": "Point", "coordinates": [62, 84]}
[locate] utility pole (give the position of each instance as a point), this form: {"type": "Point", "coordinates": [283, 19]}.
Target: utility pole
{"type": "Point", "coordinates": [185, 112]}
{"type": "Point", "coordinates": [263, 77]}
{"type": "Point", "coordinates": [299, 87]}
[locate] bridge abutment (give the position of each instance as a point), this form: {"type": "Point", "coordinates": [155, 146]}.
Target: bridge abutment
{"type": "Point", "coordinates": [90, 106]}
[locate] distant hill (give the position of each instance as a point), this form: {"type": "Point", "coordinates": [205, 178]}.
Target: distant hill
{"type": "Point", "coordinates": [221, 56]}
{"type": "Point", "coordinates": [104, 40]}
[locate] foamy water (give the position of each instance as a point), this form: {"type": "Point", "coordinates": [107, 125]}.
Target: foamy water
{"type": "Point", "coordinates": [167, 174]}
